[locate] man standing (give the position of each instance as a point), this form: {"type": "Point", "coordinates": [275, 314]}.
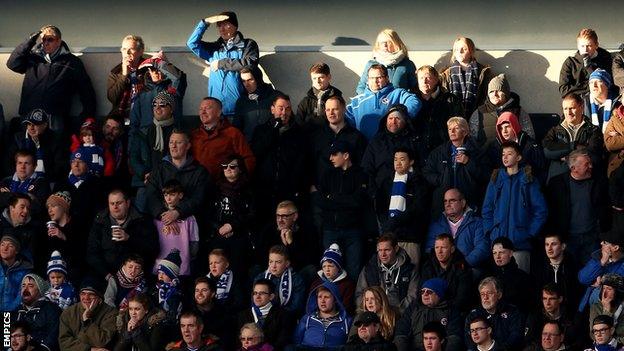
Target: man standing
{"type": "Point", "coordinates": [125, 81]}
{"type": "Point", "coordinates": [311, 109]}
{"type": "Point", "coordinates": [576, 69]}
{"type": "Point", "coordinates": [601, 100]}
{"type": "Point", "coordinates": [227, 56]}
{"type": "Point", "coordinates": [366, 110]}
{"type": "Point", "coordinates": [41, 315]}
{"type": "Point", "coordinates": [253, 108]}
{"type": "Point", "coordinates": [52, 75]}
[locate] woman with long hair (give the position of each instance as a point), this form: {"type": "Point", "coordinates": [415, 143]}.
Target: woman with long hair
{"type": "Point", "coordinates": [141, 327]}
{"type": "Point", "coordinates": [374, 299]}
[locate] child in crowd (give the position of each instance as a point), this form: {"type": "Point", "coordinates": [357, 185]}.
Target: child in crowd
{"type": "Point", "coordinates": [228, 292]}
{"type": "Point", "coordinates": [86, 144]}
{"type": "Point", "coordinates": [183, 235]}
{"type": "Point", "coordinates": [61, 291]}
{"type": "Point", "coordinates": [332, 272]}
{"type": "Point", "coordinates": [128, 282]}
{"type": "Point", "coordinates": [290, 289]}
{"type": "Point", "coordinates": [167, 293]}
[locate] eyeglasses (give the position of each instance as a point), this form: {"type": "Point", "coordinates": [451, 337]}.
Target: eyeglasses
{"type": "Point", "coordinates": [284, 216]}
{"type": "Point", "coordinates": [160, 104]}
{"type": "Point", "coordinates": [476, 330]}
{"type": "Point", "coordinates": [15, 336]}
{"type": "Point", "coordinates": [230, 166]}
{"type": "Point", "coordinates": [600, 331]}
{"type": "Point", "coordinates": [259, 293]}
{"type": "Point", "coordinates": [249, 338]}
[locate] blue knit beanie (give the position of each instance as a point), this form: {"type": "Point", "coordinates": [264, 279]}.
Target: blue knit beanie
{"type": "Point", "coordinates": [334, 255]}
{"type": "Point", "coordinates": [56, 263]}
{"type": "Point", "coordinates": [602, 75]}
{"type": "Point", "coordinates": [170, 265]}
{"type": "Point", "coordinates": [438, 285]}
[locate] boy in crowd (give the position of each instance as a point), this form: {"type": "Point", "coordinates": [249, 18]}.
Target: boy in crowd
{"type": "Point", "coordinates": [290, 288]}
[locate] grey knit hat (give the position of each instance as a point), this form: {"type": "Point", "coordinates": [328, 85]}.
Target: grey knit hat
{"type": "Point", "coordinates": [42, 285]}
{"type": "Point", "coordinates": [499, 83]}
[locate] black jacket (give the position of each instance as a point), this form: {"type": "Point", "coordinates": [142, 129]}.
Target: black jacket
{"type": "Point", "coordinates": [308, 114]}
{"type": "Point", "coordinates": [343, 198]}
{"type": "Point", "coordinates": [377, 343]}
{"type": "Point", "coordinates": [43, 319]}
{"type": "Point", "coordinates": [106, 256]}
{"type": "Point", "coordinates": [408, 331]}
{"type": "Point", "coordinates": [278, 326]}
{"type": "Point", "coordinates": [518, 286]}
{"type": "Point", "coordinates": [304, 250]}
{"type": "Point", "coordinates": [507, 326]}
{"type": "Point", "coordinates": [51, 86]}
{"type": "Point", "coordinates": [151, 335]}
{"type": "Point", "coordinates": [55, 153]}
{"type": "Point", "coordinates": [254, 109]}
{"type": "Point", "coordinates": [574, 77]}
{"type": "Point", "coordinates": [458, 277]}
{"type": "Point", "coordinates": [542, 273]}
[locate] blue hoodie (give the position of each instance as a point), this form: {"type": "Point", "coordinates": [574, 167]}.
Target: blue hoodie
{"type": "Point", "coordinates": [311, 332]}
{"type": "Point", "coordinates": [514, 207]}
{"type": "Point", "coordinates": [367, 109]}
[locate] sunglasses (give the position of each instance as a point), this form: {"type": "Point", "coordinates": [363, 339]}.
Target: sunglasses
{"type": "Point", "coordinates": [160, 104]}
{"type": "Point", "coordinates": [226, 166]}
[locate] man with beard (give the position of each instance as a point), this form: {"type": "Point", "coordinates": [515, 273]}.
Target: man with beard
{"type": "Point", "coordinates": [115, 145]}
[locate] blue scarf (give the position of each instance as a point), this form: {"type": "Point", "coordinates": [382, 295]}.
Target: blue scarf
{"type": "Point", "coordinates": [397, 195]}
{"type": "Point", "coordinates": [606, 113]}
{"type": "Point", "coordinates": [224, 284]}
{"type": "Point", "coordinates": [30, 144]}
{"type": "Point", "coordinates": [285, 285]}
{"type": "Point", "coordinates": [260, 313]}
{"type": "Point", "coordinates": [165, 291]}
{"type": "Point", "coordinates": [23, 187]}
{"type": "Point", "coordinates": [77, 181]}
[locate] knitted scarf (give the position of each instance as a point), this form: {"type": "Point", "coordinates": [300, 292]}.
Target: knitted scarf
{"type": "Point", "coordinates": [397, 194]}
{"type": "Point", "coordinates": [606, 112]}
{"type": "Point", "coordinates": [30, 144]}
{"type": "Point", "coordinates": [465, 85]}
{"type": "Point", "coordinates": [610, 346]}
{"type": "Point", "coordinates": [63, 295]}
{"type": "Point", "coordinates": [224, 284]}
{"type": "Point", "coordinates": [318, 109]}
{"type": "Point", "coordinates": [165, 291]}
{"type": "Point", "coordinates": [389, 58]}
{"type": "Point", "coordinates": [285, 285]}
{"type": "Point", "coordinates": [159, 143]}
{"type": "Point", "coordinates": [260, 313]}
{"type": "Point", "coordinates": [22, 187]}
{"type": "Point", "coordinates": [137, 285]}
{"type": "Point", "coordinates": [77, 180]}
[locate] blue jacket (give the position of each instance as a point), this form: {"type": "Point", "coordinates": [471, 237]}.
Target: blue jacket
{"type": "Point", "coordinates": [311, 332]}
{"type": "Point", "coordinates": [224, 83]}
{"type": "Point", "coordinates": [514, 207]}
{"type": "Point", "coordinates": [470, 239]}
{"type": "Point", "coordinates": [11, 283]}
{"type": "Point", "coordinates": [592, 270]}
{"type": "Point", "coordinates": [297, 299]}
{"type": "Point", "coordinates": [367, 109]}
{"type": "Point", "coordinates": [401, 75]}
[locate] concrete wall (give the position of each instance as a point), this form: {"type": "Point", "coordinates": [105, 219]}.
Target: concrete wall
{"type": "Point", "coordinates": [533, 74]}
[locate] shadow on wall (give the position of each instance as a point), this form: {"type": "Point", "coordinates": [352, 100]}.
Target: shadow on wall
{"type": "Point", "coordinates": [525, 71]}
{"type": "Point", "coordinates": [288, 71]}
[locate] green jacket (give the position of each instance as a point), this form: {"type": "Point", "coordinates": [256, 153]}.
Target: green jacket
{"type": "Point", "coordinates": [99, 331]}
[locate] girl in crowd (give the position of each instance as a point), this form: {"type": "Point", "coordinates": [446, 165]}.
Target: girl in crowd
{"type": "Point", "coordinates": [375, 300]}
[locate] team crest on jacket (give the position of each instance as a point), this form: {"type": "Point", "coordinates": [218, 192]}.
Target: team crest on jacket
{"type": "Point", "coordinates": [504, 314]}
{"type": "Point", "coordinates": [444, 321]}
{"type": "Point", "coordinates": [385, 101]}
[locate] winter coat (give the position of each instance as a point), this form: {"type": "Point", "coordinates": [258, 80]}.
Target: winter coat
{"type": "Point", "coordinates": [254, 109]}
{"type": "Point", "coordinates": [560, 206]}
{"type": "Point", "coordinates": [592, 270]}
{"type": "Point", "coordinates": [470, 239]}
{"type": "Point", "coordinates": [194, 179]}
{"type": "Point", "coordinates": [518, 286]}
{"type": "Point", "coordinates": [565, 277]}
{"type": "Point", "coordinates": [224, 83]}
{"type": "Point", "coordinates": [11, 283]}
{"type": "Point", "coordinates": [320, 142]}
{"type": "Point", "coordinates": [43, 319]}
{"type": "Point", "coordinates": [309, 116]}
{"type": "Point", "coordinates": [507, 326]}
{"type": "Point", "coordinates": [278, 326]}
{"type": "Point", "coordinates": [311, 332]}
{"type": "Point", "coordinates": [151, 335]}
{"type": "Point", "coordinates": [296, 303]}
{"type": "Point", "coordinates": [38, 190]}
{"type": "Point", "coordinates": [441, 174]}
{"type": "Point", "coordinates": [143, 157]}
{"type": "Point", "coordinates": [26, 233]}
{"type": "Point", "coordinates": [51, 85]}
{"type": "Point", "coordinates": [304, 250]}
{"type": "Point", "coordinates": [210, 343]}
{"type": "Point", "coordinates": [376, 343]}
{"type": "Point", "coordinates": [558, 143]}
{"type": "Point", "coordinates": [366, 110]}
{"type": "Point", "coordinates": [430, 122]}
{"type": "Point", "coordinates": [514, 207]}
{"type": "Point", "coordinates": [54, 150]}
{"type": "Point", "coordinates": [574, 77]}
{"type": "Point", "coordinates": [458, 276]}
{"type": "Point", "coordinates": [404, 287]}
{"type": "Point", "coordinates": [408, 332]}
{"type": "Point", "coordinates": [485, 73]}
{"type": "Point", "coordinates": [210, 148]}
{"type": "Point", "coordinates": [117, 85]}
{"type": "Point", "coordinates": [346, 288]}
{"type": "Point", "coordinates": [98, 331]}
{"type": "Point", "coordinates": [484, 120]}
{"type": "Point", "coordinates": [343, 198]}
{"type": "Point", "coordinates": [105, 256]}
{"type": "Point", "coordinates": [618, 70]}
{"type": "Point", "coordinates": [401, 75]}
{"type": "Point", "coordinates": [615, 143]}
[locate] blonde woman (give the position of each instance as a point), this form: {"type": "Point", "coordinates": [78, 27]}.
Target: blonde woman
{"type": "Point", "coordinates": [390, 51]}
{"type": "Point", "coordinates": [375, 300]}
{"type": "Point", "coordinates": [466, 78]}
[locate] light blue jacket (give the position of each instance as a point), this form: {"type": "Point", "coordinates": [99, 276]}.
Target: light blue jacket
{"type": "Point", "coordinates": [11, 283]}
{"type": "Point", "coordinates": [401, 75]}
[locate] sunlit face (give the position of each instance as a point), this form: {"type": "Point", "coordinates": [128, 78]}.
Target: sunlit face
{"type": "Point", "coordinates": [249, 82]}
{"type": "Point", "coordinates": [203, 295]}
{"type": "Point", "coordinates": [51, 42]}
{"type": "Point", "coordinates": [226, 30]}
{"type": "Point", "coordinates": [461, 52]}
{"type": "Point", "coordinates": [281, 109]}
{"type": "Point", "coordinates": [79, 167]}
{"type": "Point", "coordinates": [553, 247]}
{"type": "Point", "coordinates": [320, 81]}
{"type": "Point", "coordinates": [456, 132]}
{"type": "Point", "coordinates": [339, 159]}
{"type": "Point", "coordinates": [218, 265]}
{"type": "Point", "coordinates": [132, 269]}
{"type": "Point", "coordinates": [443, 250]}
{"type": "Point", "coordinates": [552, 338]}
{"type": "Point", "coordinates": [248, 338]}
{"type": "Point", "coordinates": [209, 112]}
{"type": "Point", "coordinates": [20, 212]}
{"type": "Point", "coordinates": [8, 250]}
{"type": "Point", "coordinates": [136, 311]}
{"type": "Point", "coordinates": [598, 88]}
{"type": "Point", "coordinates": [429, 297]}
{"type": "Point", "coordinates": [155, 75]}
{"type": "Point", "coordinates": [334, 111]}
{"type": "Point", "coordinates": [30, 292]}
{"type": "Point", "coordinates": [586, 46]}
{"type": "Point", "coordinates": [179, 145]}
{"type": "Point", "coordinates": [277, 264]}
{"type": "Point", "coordinates": [191, 330]}
{"type": "Point", "coordinates": [395, 122]}
{"type": "Point", "coordinates": [261, 295]}
{"type": "Point", "coordinates": [583, 167]}
{"type": "Point", "coordinates": [118, 206]}
{"type": "Point", "coordinates": [479, 332]}
{"type": "Point", "coordinates": [489, 297]}
{"type": "Point", "coordinates": [130, 52]}
{"type": "Point", "coordinates": [453, 203]}
{"type": "Point", "coordinates": [502, 256]}
{"type": "Point", "coordinates": [377, 79]}
{"type": "Point", "coordinates": [572, 111]}
{"type": "Point", "coordinates": [551, 302]}
{"type": "Point", "coordinates": [56, 278]}
{"type": "Point", "coordinates": [432, 342]}
{"type": "Point", "coordinates": [325, 301]}
{"type": "Point", "coordinates": [35, 130]}
{"type": "Point", "coordinates": [285, 218]}
{"type": "Point", "coordinates": [497, 97]}
{"type": "Point", "coordinates": [385, 44]}
{"type": "Point", "coordinates": [507, 131]}
{"type": "Point", "coordinates": [172, 199]}
{"type": "Point", "coordinates": [371, 304]}
{"type": "Point", "coordinates": [330, 270]}
{"type": "Point", "coordinates": [386, 253]}
{"type": "Point", "coordinates": [427, 82]}
{"type": "Point", "coordinates": [602, 333]}
{"type": "Point", "coordinates": [402, 162]}
{"type": "Point", "coordinates": [88, 297]}
{"type": "Point", "coordinates": [24, 167]}
{"type": "Point", "coordinates": [510, 157]}
{"type": "Point", "coordinates": [161, 109]}
{"type": "Point", "coordinates": [231, 170]}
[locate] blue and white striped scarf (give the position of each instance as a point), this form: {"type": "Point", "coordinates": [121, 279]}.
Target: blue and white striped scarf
{"type": "Point", "coordinates": [606, 112]}
{"type": "Point", "coordinates": [397, 194]}
{"type": "Point", "coordinates": [285, 285]}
